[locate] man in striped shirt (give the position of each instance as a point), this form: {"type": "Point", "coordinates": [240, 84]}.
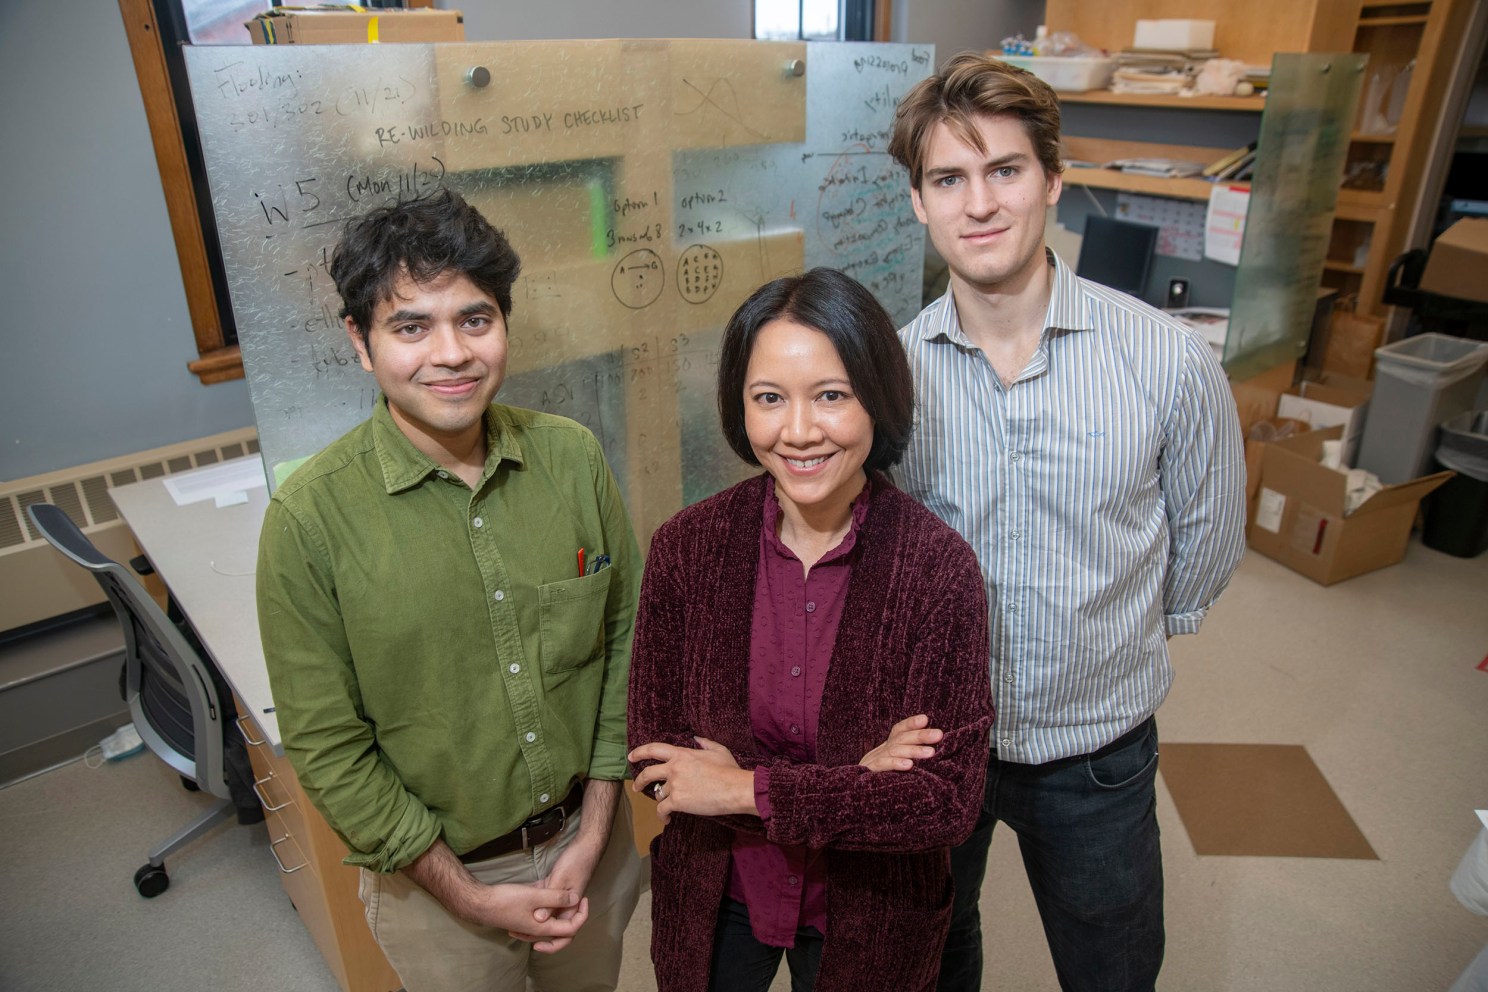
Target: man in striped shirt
{"type": "Point", "coordinates": [1088, 448]}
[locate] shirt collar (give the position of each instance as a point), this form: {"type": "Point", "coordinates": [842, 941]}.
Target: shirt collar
{"type": "Point", "coordinates": [1069, 309]}
{"type": "Point", "coordinates": [1069, 304]}
{"type": "Point", "coordinates": [404, 466]}
{"type": "Point", "coordinates": [771, 522]}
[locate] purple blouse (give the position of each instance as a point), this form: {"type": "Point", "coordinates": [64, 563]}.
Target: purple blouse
{"type": "Point", "coordinates": [796, 616]}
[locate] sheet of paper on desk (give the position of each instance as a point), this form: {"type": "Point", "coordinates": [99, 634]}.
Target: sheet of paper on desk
{"type": "Point", "coordinates": [222, 482]}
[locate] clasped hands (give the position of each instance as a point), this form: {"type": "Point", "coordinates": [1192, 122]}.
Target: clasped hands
{"type": "Point", "coordinates": [707, 781]}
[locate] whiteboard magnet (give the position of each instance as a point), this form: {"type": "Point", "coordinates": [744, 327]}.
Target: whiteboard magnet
{"type": "Point", "coordinates": [478, 76]}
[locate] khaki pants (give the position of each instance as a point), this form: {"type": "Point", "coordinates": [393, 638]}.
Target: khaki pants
{"type": "Point", "coordinates": [433, 951]}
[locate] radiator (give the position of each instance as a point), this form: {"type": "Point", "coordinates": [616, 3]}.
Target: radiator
{"type": "Point", "coordinates": [39, 582]}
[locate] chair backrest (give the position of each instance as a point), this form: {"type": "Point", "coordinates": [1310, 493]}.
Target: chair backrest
{"type": "Point", "coordinates": [169, 689]}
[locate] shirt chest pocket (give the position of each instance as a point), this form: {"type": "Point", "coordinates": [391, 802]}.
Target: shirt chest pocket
{"type": "Point", "coordinates": [571, 616]}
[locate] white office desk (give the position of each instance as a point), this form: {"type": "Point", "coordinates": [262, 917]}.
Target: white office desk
{"type": "Point", "coordinates": [206, 554]}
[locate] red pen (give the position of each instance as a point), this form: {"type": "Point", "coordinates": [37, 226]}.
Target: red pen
{"type": "Point", "coordinates": [581, 563]}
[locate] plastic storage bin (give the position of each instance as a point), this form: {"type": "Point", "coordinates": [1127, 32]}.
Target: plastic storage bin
{"type": "Point", "coordinates": [1419, 382]}
{"type": "Point", "coordinates": [1070, 74]}
{"type": "Point", "coordinates": [1457, 513]}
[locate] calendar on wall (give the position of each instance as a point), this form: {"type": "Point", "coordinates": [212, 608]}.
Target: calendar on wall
{"type": "Point", "coordinates": [1180, 223]}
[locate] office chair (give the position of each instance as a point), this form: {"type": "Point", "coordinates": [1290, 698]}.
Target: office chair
{"type": "Point", "coordinates": [172, 691]}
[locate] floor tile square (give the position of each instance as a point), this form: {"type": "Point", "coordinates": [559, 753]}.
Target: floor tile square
{"type": "Point", "coordinates": [1258, 800]}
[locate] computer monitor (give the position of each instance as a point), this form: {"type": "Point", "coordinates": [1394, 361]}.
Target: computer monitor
{"type": "Point", "coordinates": [1117, 253]}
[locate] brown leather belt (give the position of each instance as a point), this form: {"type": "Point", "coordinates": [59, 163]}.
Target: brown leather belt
{"type": "Point", "coordinates": [539, 830]}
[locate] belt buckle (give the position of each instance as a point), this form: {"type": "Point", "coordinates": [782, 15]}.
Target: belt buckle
{"type": "Point", "coordinates": [541, 821]}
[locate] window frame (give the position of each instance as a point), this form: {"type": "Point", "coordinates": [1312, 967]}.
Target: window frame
{"type": "Point", "coordinates": [182, 179]}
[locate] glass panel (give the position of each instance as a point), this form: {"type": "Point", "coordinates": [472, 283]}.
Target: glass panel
{"type": "Point", "coordinates": [1299, 159]}
{"type": "Point", "coordinates": [649, 186]}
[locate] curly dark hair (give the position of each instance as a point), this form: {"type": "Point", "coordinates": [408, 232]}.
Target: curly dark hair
{"type": "Point", "coordinates": [422, 238]}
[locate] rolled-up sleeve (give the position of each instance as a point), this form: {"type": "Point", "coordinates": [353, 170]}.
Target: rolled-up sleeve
{"type": "Point", "coordinates": [319, 707]}
{"type": "Point", "coordinates": [607, 760]}
{"type": "Point", "coordinates": [1203, 480]}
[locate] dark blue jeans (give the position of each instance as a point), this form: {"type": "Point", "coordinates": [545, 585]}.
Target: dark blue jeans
{"type": "Point", "coordinates": [1087, 829]}
{"type": "Point", "coordinates": [742, 964]}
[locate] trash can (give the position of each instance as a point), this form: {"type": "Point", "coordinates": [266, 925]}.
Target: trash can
{"type": "Point", "coordinates": [1457, 513]}
{"type": "Point", "coordinates": [1418, 383]}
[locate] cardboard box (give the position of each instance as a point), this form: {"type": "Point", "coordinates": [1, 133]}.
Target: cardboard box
{"type": "Point", "coordinates": [1270, 431]}
{"type": "Point", "coordinates": [1330, 401]}
{"type": "Point", "coordinates": [1173, 34]}
{"type": "Point", "coordinates": [1459, 257]}
{"type": "Point", "coordinates": [337, 25]}
{"type": "Point", "coordinates": [1299, 517]}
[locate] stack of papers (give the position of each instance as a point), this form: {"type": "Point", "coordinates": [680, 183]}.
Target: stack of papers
{"type": "Point", "coordinates": [1212, 324]}
{"type": "Point", "coordinates": [1158, 70]}
{"type": "Point", "coordinates": [1166, 167]}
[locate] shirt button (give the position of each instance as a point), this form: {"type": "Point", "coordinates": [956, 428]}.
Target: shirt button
{"type": "Point", "coordinates": [810, 607]}
{"type": "Point", "coordinates": [498, 595]}
{"type": "Point", "coordinates": [515, 668]}
{"type": "Point", "coordinates": [795, 669]}
{"type": "Point", "coordinates": [1016, 456]}
{"type": "Point", "coordinates": [1015, 535]}
{"type": "Point", "coordinates": [795, 729]}
{"type": "Point", "coordinates": [442, 474]}
{"type": "Point", "coordinates": [478, 522]}
{"type": "Point", "coordinates": [1005, 678]}
{"type": "Point", "coordinates": [1007, 742]}
{"type": "Point", "coordinates": [531, 737]}
{"type": "Point", "coordinates": [793, 880]}
{"type": "Point", "coordinates": [1012, 607]}
{"type": "Point", "coordinates": [543, 798]}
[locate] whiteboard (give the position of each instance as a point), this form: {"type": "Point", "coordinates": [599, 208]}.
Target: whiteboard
{"type": "Point", "coordinates": [649, 187]}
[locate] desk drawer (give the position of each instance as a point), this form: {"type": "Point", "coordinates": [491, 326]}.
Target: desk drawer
{"type": "Point", "coordinates": [278, 789]}
{"type": "Point", "coordinates": [302, 884]}
{"type": "Point", "coordinates": [288, 848]}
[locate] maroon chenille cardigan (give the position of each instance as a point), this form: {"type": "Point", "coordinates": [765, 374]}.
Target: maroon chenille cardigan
{"type": "Point", "coordinates": [913, 639]}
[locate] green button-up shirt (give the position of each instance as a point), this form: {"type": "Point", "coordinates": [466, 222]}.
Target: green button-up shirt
{"type": "Point", "coordinates": [439, 666]}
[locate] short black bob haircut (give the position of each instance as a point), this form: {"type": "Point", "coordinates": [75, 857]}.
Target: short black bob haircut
{"type": "Point", "coordinates": [425, 238]}
{"type": "Point", "coordinates": [858, 327]}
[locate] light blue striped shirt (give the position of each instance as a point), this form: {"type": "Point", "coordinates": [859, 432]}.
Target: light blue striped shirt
{"type": "Point", "coordinates": [1103, 492]}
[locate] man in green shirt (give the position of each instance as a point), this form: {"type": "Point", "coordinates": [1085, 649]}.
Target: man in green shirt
{"type": "Point", "coordinates": [446, 596]}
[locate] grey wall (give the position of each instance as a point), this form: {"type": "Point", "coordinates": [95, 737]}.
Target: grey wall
{"type": "Point", "coordinates": [955, 25]}
{"type": "Point", "coordinates": [93, 351]}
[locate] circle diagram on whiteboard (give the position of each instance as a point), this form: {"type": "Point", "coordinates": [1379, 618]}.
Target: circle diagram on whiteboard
{"type": "Point", "coordinates": [699, 273]}
{"type": "Point", "coordinates": [638, 278]}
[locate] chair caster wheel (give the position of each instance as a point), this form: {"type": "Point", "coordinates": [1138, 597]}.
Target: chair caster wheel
{"type": "Point", "coordinates": [150, 881]}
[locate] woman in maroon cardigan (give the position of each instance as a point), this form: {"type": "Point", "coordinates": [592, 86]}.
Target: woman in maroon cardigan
{"type": "Point", "coordinates": [809, 700]}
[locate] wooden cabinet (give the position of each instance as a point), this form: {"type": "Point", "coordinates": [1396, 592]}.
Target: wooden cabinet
{"type": "Point", "coordinates": [1083, 148]}
{"type": "Point", "coordinates": [1407, 78]}
{"type": "Point", "coordinates": [323, 890]}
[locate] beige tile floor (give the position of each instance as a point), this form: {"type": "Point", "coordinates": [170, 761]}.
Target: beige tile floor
{"type": "Point", "coordinates": [1376, 677]}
